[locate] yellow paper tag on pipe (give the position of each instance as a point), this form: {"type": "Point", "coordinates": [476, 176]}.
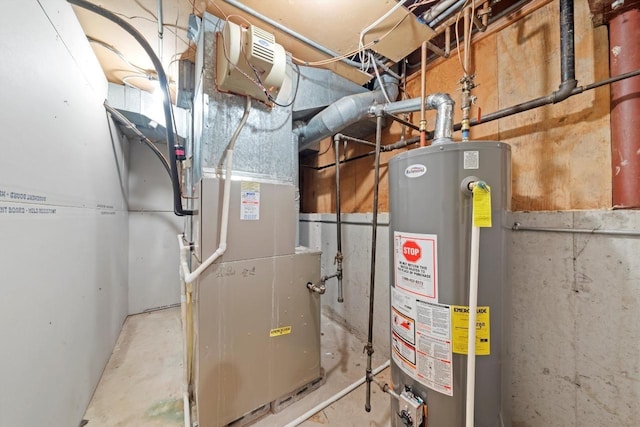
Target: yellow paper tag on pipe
{"type": "Point", "coordinates": [482, 205]}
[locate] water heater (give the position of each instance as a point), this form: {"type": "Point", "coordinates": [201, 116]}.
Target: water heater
{"type": "Point", "coordinates": [430, 210]}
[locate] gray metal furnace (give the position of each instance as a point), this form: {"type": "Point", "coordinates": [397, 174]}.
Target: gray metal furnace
{"type": "Point", "coordinates": [430, 228]}
{"type": "Point", "coordinates": [256, 325]}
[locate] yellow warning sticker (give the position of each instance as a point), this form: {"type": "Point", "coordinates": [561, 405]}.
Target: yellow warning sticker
{"type": "Point", "coordinates": [285, 330]}
{"type": "Point", "coordinates": [460, 329]}
{"type": "Point", "coordinates": [482, 205]}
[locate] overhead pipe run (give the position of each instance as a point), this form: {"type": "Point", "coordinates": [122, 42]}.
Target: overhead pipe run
{"type": "Point", "coordinates": [164, 87]}
{"type": "Point", "coordinates": [568, 84]}
{"type": "Point", "coordinates": [344, 112]}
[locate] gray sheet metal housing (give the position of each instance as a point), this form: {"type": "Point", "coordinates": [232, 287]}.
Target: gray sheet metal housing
{"type": "Point", "coordinates": [433, 203]}
{"type": "Point", "coordinates": [265, 147]}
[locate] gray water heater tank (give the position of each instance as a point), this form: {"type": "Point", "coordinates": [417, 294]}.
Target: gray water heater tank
{"type": "Point", "coordinates": [430, 230]}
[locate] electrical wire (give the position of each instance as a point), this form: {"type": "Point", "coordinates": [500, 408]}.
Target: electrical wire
{"type": "Point", "coordinates": [375, 69]}
{"type": "Point", "coordinates": [353, 52]}
{"type": "Point", "coordinates": [295, 93]}
{"type": "Point", "coordinates": [113, 49]}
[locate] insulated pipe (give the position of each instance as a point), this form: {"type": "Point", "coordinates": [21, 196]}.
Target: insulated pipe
{"type": "Point", "coordinates": [164, 87]}
{"type": "Point", "coordinates": [190, 277]}
{"type": "Point", "coordinates": [372, 278]}
{"type": "Point", "coordinates": [338, 258]}
{"type": "Point", "coordinates": [302, 418]}
{"type": "Point", "coordinates": [344, 112]}
{"type": "Point", "coordinates": [624, 33]}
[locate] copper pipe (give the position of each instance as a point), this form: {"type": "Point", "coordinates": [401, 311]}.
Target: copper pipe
{"type": "Point", "coordinates": [423, 94]}
{"type": "Point", "coordinates": [447, 41]}
{"type": "Point", "coordinates": [624, 33]}
{"type": "Point", "coordinates": [467, 42]}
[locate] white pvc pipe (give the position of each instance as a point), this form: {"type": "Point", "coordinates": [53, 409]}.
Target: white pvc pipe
{"type": "Point", "coordinates": [473, 308]}
{"type": "Point", "coordinates": [302, 418]}
{"type": "Point", "coordinates": [187, 409]}
{"type": "Point", "coordinates": [191, 276]}
{"type": "Point", "coordinates": [185, 345]}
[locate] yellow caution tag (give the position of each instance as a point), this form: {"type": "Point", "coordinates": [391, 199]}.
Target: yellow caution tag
{"type": "Point", "coordinates": [280, 331]}
{"type": "Point", "coordinates": [481, 205]}
{"type": "Point", "coordinates": [460, 330]}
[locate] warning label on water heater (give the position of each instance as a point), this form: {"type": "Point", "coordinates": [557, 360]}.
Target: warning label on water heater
{"type": "Point", "coordinates": [415, 264]}
{"type": "Point", "coordinates": [249, 201]}
{"type": "Point", "coordinates": [421, 340]}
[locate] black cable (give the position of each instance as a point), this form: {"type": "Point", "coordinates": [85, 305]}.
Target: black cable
{"type": "Point", "coordinates": [295, 93]}
{"type": "Point", "coordinates": [162, 78]}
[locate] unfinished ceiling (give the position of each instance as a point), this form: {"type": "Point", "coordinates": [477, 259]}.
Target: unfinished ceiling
{"type": "Point", "coordinates": [334, 24]}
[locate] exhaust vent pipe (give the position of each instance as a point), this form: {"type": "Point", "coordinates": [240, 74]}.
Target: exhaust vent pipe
{"type": "Point", "coordinates": [344, 112]}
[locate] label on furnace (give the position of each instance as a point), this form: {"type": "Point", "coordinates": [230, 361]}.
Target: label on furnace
{"type": "Point", "coordinates": [421, 340]}
{"type": "Point", "coordinates": [249, 201]}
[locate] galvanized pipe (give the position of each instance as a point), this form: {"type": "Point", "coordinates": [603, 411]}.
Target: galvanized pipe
{"type": "Point", "coordinates": [372, 279]}
{"type": "Point", "coordinates": [338, 258]}
{"type": "Point", "coordinates": [519, 227]}
{"type": "Point", "coordinates": [624, 33]}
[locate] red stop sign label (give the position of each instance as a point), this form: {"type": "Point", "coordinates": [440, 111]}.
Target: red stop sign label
{"type": "Point", "coordinates": [411, 251]}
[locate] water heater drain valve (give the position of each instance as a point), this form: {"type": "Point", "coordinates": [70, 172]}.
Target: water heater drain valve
{"type": "Point", "coordinates": [411, 409]}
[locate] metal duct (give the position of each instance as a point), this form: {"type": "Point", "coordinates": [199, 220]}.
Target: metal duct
{"type": "Point", "coordinates": [344, 112]}
{"type": "Point", "coordinates": [441, 102]}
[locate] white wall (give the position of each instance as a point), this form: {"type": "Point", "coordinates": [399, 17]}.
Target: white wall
{"type": "Point", "coordinates": [63, 245]}
{"type": "Point", "coordinates": [318, 231]}
{"type": "Point", "coordinates": [154, 280]}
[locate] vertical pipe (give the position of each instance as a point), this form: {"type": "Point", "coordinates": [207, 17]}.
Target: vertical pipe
{"type": "Point", "coordinates": [423, 94]}
{"type": "Point", "coordinates": [567, 45]}
{"type": "Point", "coordinates": [160, 29]}
{"type": "Point", "coordinates": [624, 33]}
{"type": "Point", "coordinates": [471, 345]}
{"type": "Point", "coordinates": [467, 42]}
{"type": "Point", "coordinates": [372, 279]}
{"type": "Point", "coordinates": [338, 258]}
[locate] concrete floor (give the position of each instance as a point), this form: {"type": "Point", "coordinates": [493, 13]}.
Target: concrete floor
{"type": "Point", "coordinates": [141, 385]}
